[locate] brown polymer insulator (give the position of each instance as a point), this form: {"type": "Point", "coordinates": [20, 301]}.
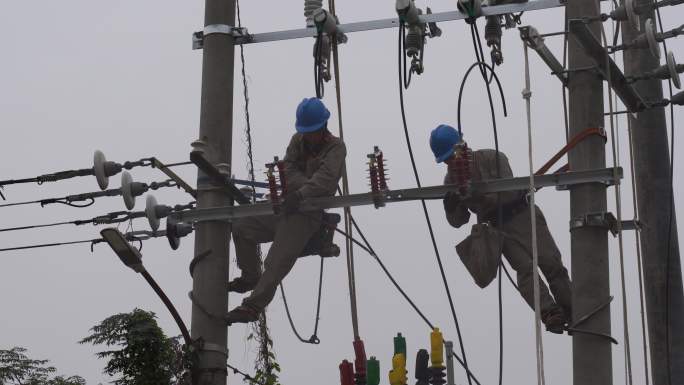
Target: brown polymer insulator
{"type": "Point", "coordinates": [272, 185]}
{"type": "Point", "coordinates": [373, 176]}
{"type": "Point", "coordinates": [382, 176]}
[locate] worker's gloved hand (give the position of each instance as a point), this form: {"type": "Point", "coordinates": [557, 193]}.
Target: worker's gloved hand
{"type": "Point", "coordinates": [292, 202]}
{"type": "Point", "coordinates": [451, 201]}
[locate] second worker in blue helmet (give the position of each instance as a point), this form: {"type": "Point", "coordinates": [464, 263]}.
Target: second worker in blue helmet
{"type": "Point", "coordinates": [314, 163]}
{"type": "Point", "coordinates": [505, 220]}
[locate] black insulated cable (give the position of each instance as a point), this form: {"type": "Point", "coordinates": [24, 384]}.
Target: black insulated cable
{"type": "Point", "coordinates": [110, 218]}
{"type": "Point", "coordinates": [479, 56]}
{"type": "Point", "coordinates": [131, 236]}
{"type": "Point", "coordinates": [425, 211]}
{"type": "Point", "coordinates": [484, 67]}
{"type": "Point", "coordinates": [314, 340]}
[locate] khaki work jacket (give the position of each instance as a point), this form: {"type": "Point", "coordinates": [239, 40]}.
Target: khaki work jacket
{"type": "Point", "coordinates": [314, 175]}
{"type": "Point", "coordinates": [484, 206]}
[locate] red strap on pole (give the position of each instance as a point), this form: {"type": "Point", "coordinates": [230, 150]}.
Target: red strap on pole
{"type": "Point", "coordinates": [571, 144]}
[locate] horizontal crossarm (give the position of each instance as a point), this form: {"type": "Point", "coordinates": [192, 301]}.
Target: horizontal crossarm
{"type": "Point", "coordinates": [605, 176]}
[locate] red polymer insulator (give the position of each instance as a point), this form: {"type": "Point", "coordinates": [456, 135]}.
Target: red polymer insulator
{"type": "Point", "coordinates": [461, 169]}
{"type": "Point", "coordinates": [281, 175]}
{"type": "Point", "coordinates": [360, 362]}
{"type": "Point", "coordinates": [382, 177]}
{"type": "Point", "coordinates": [346, 373]}
{"type": "Point", "coordinates": [373, 175]}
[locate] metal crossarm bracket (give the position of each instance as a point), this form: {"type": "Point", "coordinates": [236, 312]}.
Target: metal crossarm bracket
{"type": "Point", "coordinates": [534, 40]}
{"type": "Point", "coordinates": [156, 163]}
{"type": "Point", "coordinates": [217, 177]}
{"type": "Point", "coordinates": [223, 29]}
{"type": "Point", "coordinates": [504, 9]}
{"type": "Point", "coordinates": [605, 175]}
{"type": "Point", "coordinates": [606, 66]}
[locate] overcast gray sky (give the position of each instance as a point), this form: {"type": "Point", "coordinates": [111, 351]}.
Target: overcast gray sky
{"type": "Point", "coordinates": [80, 75]}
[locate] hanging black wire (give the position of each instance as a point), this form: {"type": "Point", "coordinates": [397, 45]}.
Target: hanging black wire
{"type": "Point", "coordinates": [479, 58]}
{"type": "Point", "coordinates": [314, 336]}
{"type": "Point", "coordinates": [483, 68]}
{"type": "Point", "coordinates": [425, 211]}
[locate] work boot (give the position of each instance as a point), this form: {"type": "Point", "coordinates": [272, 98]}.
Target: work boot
{"type": "Point", "coordinates": [242, 314]}
{"type": "Point", "coordinates": [555, 320]}
{"type": "Point", "coordinates": [241, 285]}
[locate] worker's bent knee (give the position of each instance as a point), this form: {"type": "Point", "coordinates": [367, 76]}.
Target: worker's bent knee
{"type": "Point", "coordinates": [240, 230]}
{"type": "Point", "coordinates": [556, 271]}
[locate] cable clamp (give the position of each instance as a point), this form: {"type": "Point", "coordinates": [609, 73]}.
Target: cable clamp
{"type": "Point", "coordinates": [209, 347]}
{"type": "Point", "coordinates": [606, 220]}
{"type": "Point", "coordinates": [601, 219]}
{"type": "Point", "coordinates": [526, 93]}
{"type": "Point", "coordinates": [222, 29]}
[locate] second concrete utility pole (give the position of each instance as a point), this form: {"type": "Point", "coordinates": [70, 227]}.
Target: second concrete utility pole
{"type": "Point", "coordinates": [210, 276]}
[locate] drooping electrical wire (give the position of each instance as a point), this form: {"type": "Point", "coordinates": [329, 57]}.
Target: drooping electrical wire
{"type": "Point", "coordinates": [424, 206]}
{"type": "Point", "coordinates": [479, 58]}
{"type": "Point", "coordinates": [484, 67]}
{"type": "Point", "coordinates": [133, 236]}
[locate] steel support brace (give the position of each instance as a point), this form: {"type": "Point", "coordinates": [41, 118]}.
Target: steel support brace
{"type": "Point", "coordinates": [605, 176]}
{"type": "Point", "coordinates": [534, 40]}
{"type": "Point", "coordinates": [606, 66]}
{"type": "Point", "coordinates": [394, 22]}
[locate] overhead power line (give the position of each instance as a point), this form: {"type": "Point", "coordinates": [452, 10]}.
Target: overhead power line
{"type": "Point", "coordinates": [131, 236]}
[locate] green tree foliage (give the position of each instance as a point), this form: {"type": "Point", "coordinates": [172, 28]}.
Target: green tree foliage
{"type": "Point", "coordinates": [138, 351]}
{"type": "Point", "coordinates": [16, 368]}
{"type": "Point", "coordinates": [266, 365]}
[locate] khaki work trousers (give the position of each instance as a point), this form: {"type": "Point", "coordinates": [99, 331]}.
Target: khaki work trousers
{"type": "Point", "coordinates": [289, 234]}
{"type": "Point", "coordinates": [517, 249]}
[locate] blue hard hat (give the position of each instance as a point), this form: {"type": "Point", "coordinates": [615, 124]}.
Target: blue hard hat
{"type": "Point", "coordinates": [311, 115]}
{"type": "Point", "coordinates": [442, 141]}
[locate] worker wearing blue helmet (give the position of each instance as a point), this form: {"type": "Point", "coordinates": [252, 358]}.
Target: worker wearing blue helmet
{"type": "Point", "coordinates": [512, 237]}
{"type": "Point", "coordinates": [314, 161]}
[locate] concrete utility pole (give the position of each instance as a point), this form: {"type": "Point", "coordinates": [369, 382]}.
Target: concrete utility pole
{"type": "Point", "coordinates": [210, 277]}
{"type": "Point", "coordinates": [592, 361]}
{"type": "Point", "coordinates": [652, 175]}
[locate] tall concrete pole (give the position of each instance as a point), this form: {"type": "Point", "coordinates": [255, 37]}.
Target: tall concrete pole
{"type": "Point", "coordinates": [592, 361]}
{"type": "Point", "coordinates": [210, 276]}
{"type": "Point", "coordinates": [652, 176]}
